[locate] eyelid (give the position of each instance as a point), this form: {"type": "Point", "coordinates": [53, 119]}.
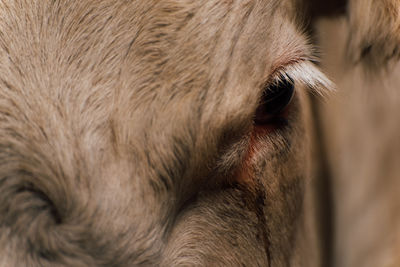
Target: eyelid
{"type": "Point", "coordinates": [281, 76]}
{"type": "Point", "coordinates": [306, 73]}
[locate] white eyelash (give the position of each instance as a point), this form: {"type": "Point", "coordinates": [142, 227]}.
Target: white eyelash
{"type": "Point", "coordinates": [307, 73]}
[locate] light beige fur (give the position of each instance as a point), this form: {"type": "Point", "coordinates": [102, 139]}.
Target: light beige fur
{"type": "Point", "coordinates": [127, 134]}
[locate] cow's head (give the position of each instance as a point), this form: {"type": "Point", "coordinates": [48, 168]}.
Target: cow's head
{"type": "Point", "coordinates": [156, 132]}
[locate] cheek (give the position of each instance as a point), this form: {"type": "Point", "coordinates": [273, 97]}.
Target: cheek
{"type": "Point", "coordinates": [282, 173]}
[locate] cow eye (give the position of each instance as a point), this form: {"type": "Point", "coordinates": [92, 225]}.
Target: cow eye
{"type": "Point", "coordinates": [274, 100]}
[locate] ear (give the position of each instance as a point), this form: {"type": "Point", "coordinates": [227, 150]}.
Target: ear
{"type": "Point", "coordinates": [374, 38]}
{"type": "Point", "coordinates": [374, 32]}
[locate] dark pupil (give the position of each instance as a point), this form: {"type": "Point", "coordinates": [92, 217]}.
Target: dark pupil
{"type": "Point", "coordinates": [274, 100]}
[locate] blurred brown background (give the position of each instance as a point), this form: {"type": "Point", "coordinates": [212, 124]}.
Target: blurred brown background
{"type": "Point", "coordinates": [360, 129]}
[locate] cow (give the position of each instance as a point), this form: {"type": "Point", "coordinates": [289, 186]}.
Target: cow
{"type": "Point", "coordinates": [169, 133]}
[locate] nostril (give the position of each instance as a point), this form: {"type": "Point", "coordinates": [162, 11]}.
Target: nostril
{"type": "Point", "coordinates": [274, 100]}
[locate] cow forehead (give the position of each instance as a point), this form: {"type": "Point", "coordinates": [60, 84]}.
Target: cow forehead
{"type": "Point", "coordinates": [144, 46]}
{"type": "Point", "coordinates": [140, 64]}
{"type": "Point", "coordinates": [183, 50]}
{"type": "Point", "coordinates": [201, 62]}
{"type": "Point", "coordinates": [96, 71]}
{"type": "Point", "coordinates": [183, 40]}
